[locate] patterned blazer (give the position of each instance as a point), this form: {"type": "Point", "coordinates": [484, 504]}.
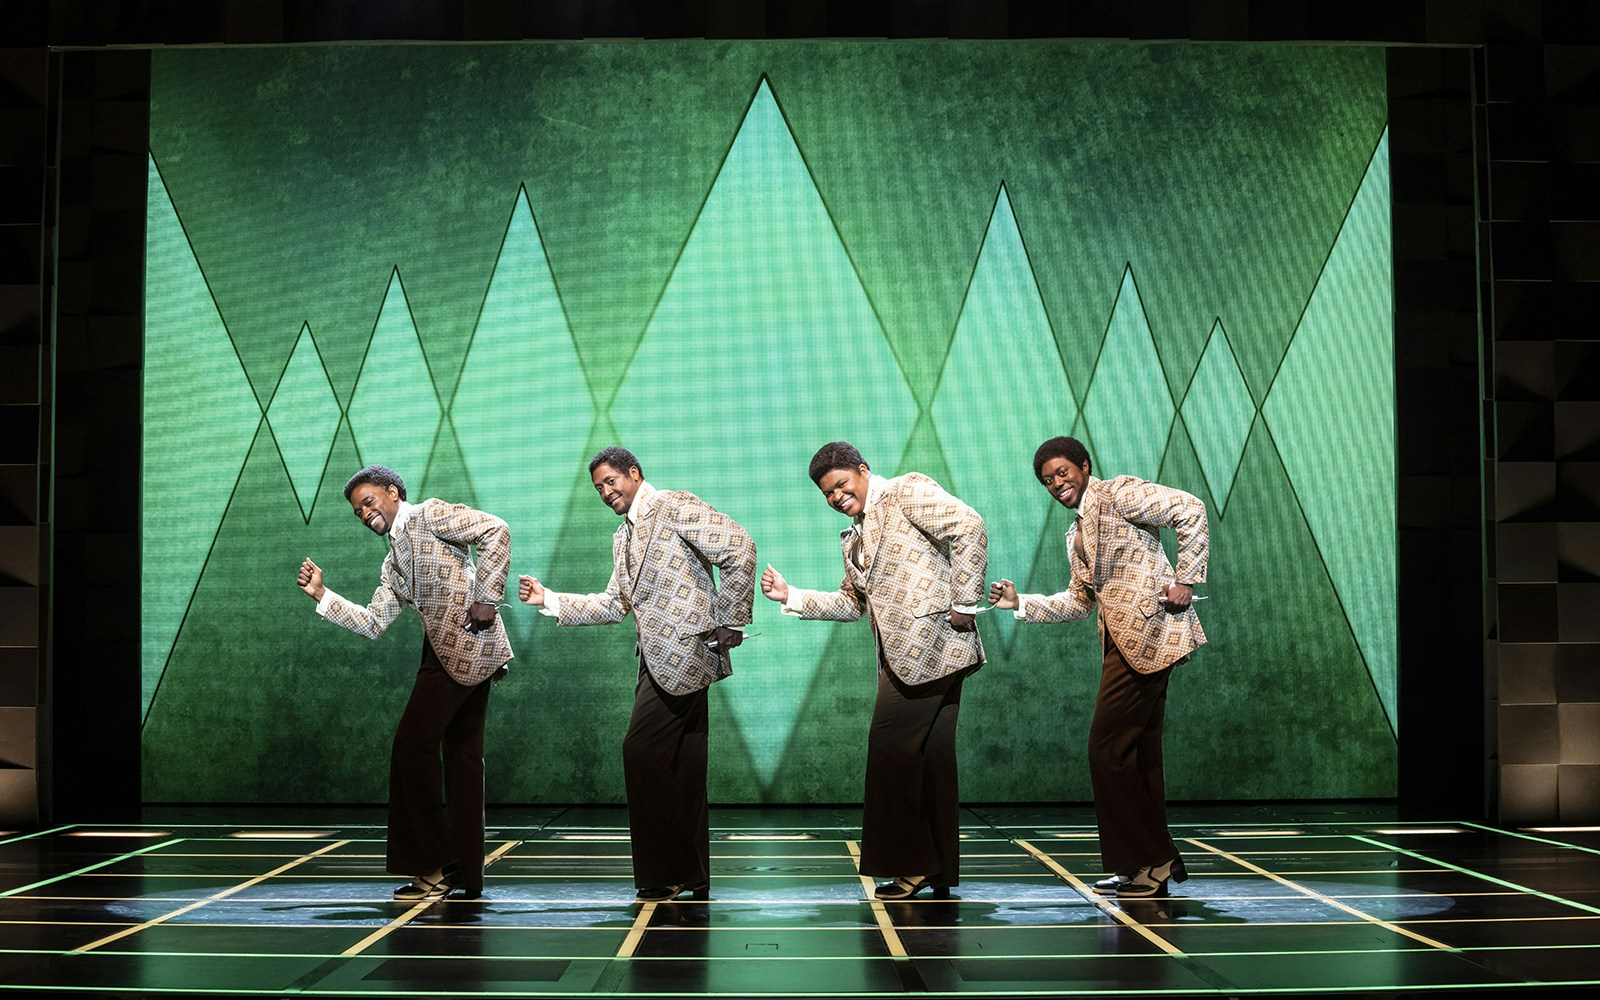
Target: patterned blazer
{"type": "Point", "coordinates": [1123, 568]}
{"type": "Point", "coordinates": [429, 568]}
{"type": "Point", "coordinates": [662, 573]}
{"type": "Point", "coordinates": [920, 552]}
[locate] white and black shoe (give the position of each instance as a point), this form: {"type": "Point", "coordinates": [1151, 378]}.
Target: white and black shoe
{"type": "Point", "coordinates": [667, 893]}
{"type": "Point", "coordinates": [437, 885]}
{"type": "Point", "coordinates": [1151, 880]}
{"type": "Point", "coordinates": [1109, 885]}
{"type": "Point", "coordinates": [907, 886]}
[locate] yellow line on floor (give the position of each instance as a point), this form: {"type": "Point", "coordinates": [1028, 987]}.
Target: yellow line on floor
{"type": "Point", "coordinates": [125, 932]}
{"type": "Point", "coordinates": [641, 923]}
{"type": "Point", "coordinates": [1102, 902]}
{"type": "Point", "coordinates": [411, 914]}
{"type": "Point", "coordinates": [891, 937]}
{"type": "Point", "coordinates": [1321, 898]}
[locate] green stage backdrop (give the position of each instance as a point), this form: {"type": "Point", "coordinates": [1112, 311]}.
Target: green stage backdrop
{"type": "Point", "coordinates": [480, 264]}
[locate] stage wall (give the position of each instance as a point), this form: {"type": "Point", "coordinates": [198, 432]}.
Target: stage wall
{"type": "Point", "coordinates": [480, 264]}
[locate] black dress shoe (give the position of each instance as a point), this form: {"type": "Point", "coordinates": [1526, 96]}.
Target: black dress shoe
{"type": "Point", "coordinates": [665, 893]}
{"type": "Point", "coordinates": [905, 887]}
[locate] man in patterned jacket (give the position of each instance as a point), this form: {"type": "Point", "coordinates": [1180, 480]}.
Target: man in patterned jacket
{"type": "Point", "coordinates": [464, 649]}
{"type": "Point", "coordinates": [662, 557]}
{"type": "Point", "coordinates": [914, 561]}
{"type": "Point", "coordinates": [1147, 625]}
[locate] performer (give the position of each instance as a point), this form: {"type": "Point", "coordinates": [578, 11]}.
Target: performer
{"type": "Point", "coordinates": [1147, 625]}
{"type": "Point", "coordinates": [914, 560]}
{"type": "Point", "coordinates": [464, 650]}
{"type": "Point", "coordinates": [662, 556]}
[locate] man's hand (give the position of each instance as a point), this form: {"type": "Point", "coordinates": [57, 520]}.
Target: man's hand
{"type": "Point", "coordinates": [480, 617]}
{"type": "Point", "coordinates": [1178, 596]}
{"type": "Point", "coordinates": [311, 579]}
{"type": "Point", "coordinates": [773, 585]}
{"type": "Point", "coordinates": [963, 622]}
{"type": "Point", "coordinates": [530, 590]}
{"type": "Point", "coordinates": [721, 639]}
{"type": "Point", "coordinates": [1003, 595]}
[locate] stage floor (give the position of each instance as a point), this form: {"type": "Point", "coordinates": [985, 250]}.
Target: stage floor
{"type": "Point", "coordinates": [1281, 900]}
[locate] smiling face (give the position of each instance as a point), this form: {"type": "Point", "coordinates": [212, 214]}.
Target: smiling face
{"type": "Point", "coordinates": [375, 506]}
{"type": "Point", "coordinates": [1064, 480]}
{"type": "Point", "coordinates": [617, 489]}
{"type": "Point", "coordinates": [845, 490]}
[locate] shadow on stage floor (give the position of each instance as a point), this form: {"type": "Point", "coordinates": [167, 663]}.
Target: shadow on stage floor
{"type": "Point", "coordinates": [1282, 900]}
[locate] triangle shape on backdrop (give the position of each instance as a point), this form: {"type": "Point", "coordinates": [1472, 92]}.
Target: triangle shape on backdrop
{"type": "Point", "coordinates": [219, 729]}
{"type": "Point", "coordinates": [1127, 407]}
{"type": "Point", "coordinates": [1277, 643]}
{"type": "Point", "coordinates": [1331, 413]}
{"type": "Point", "coordinates": [394, 409]}
{"type": "Point", "coordinates": [522, 408]}
{"type": "Point", "coordinates": [200, 415]}
{"type": "Point", "coordinates": [764, 346]}
{"type": "Point", "coordinates": [1218, 411]}
{"type": "Point", "coordinates": [304, 415]}
{"type": "Point", "coordinates": [1002, 392]}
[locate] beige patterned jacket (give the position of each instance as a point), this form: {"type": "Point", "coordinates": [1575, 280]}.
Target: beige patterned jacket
{"type": "Point", "coordinates": [922, 551]}
{"type": "Point", "coordinates": [429, 568]}
{"type": "Point", "coordinates": [1124, 569]}
{"type": "Point", "coordinates": [662, 573]}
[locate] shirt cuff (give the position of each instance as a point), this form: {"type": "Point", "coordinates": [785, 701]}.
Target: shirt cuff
{"type": "Point", "coordinates": [328, 597]}
{"type": "Point", "coordinates": [1021, 612]}
{"type": "Point", "coordinates": [551, 608]}
{"type": "Point", "coordinates": [794, 604]}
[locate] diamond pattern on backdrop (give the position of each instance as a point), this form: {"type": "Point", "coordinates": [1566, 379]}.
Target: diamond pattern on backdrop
{"type": "Point", "coordinates": [1002, 392]}
{"type": "Point", "coordinates": [1328, 400]}
{"type": "Point", "coordinates": [1218, 411]}
{"type": "Point", "coordinates": [764, 322]}
{"type": "Point", "coordinates": [394, 410]}
{"type": "Point", "coordinates": [522, 393]}
{"type": "Point", "coordinates": [1128, 409]}
{"type": "Point", "coordinates": [304, 416]}
{"type": "Point", "coordinates": [200, 416]}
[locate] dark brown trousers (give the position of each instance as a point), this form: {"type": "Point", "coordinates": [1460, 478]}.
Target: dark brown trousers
{"type": "Point", "coordinates": [911, 819]}
{"type": "Point", "coordinates": [1130, 793]}
{"type": "Point", "coordinates": [664, 769]}
{"type": "Point", "coordinates": [436, 776]}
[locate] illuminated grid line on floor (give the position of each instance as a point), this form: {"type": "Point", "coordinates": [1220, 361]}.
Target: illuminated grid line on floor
{"type": "Point", "coordinates": [1462, 907]}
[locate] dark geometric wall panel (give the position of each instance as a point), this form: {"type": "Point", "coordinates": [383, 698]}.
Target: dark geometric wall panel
{"type": "Point", "coordinates": [24, 430]}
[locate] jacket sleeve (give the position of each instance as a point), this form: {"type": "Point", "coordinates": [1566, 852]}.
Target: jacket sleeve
{"type": "Point", "coordinates": [459, 524]}
{"type": "Point", "coordinates": [368, 622]}
{"type": "Point", "coordinates": [721, 541]}
{"type": "Point", "coordinates": [1162, 506]}
{"type": "Point", "coordinates": [941, 516]}
{"type": "Point", "coordinates": [1070, 605]}
{"type": "Point", "coordinates": [606, 608]}
{"type": "Point", "coordinates": [842, 605]}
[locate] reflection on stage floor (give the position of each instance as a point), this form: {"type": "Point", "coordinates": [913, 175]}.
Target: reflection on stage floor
{"type": "Point", "coordinates": [1282, 900]}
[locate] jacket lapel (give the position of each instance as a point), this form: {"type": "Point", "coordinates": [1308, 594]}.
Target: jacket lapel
{"type": "Point", "coordinates": [872, 533]}
{"type": "Point", "coordinates": [647, 529]}
{"type": "Point", "coordinates": [402, 555]}
{"type": "Point", "coordinates": [1088, 525]}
